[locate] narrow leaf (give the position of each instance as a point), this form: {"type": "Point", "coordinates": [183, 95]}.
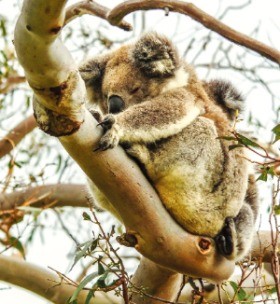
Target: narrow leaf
{"type": "Point", "coordinates": [91, 277]}
{"type": "Point", "coordinates": [101, 269]}
{"type": "Point", "coordinates": [246, 141]}
{"type": "Point", "coordinates": [86, 216]}
{"type": "Point", "coordinates": [14, 242]}
{"type": "Point", "coordinates": [90, 295]}
{"type": "Point", "coordinates": [231, 147]}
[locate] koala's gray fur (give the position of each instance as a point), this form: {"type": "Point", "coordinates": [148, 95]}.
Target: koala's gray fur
{"type": "Point", "coordinates": [169, 122]}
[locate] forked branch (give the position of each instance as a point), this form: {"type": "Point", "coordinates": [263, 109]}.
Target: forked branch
{"type": "Point", "coordinates": [92, 8]}
{"type": "Point", "coordinates": [189, 9]}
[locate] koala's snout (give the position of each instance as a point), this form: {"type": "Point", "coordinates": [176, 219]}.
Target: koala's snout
{"type": "Point", "coordinates": [116, 104]}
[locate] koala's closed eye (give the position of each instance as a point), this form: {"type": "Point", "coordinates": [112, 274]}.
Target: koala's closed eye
{"type": "Point", "coordinates": [135, 89]}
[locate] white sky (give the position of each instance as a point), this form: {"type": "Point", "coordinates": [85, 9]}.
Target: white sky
{"type": "Point", "coordinates": [267, 13]}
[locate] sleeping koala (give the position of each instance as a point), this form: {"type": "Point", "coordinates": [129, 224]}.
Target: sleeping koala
{"type": "Point", "coordinates": [169, 122]}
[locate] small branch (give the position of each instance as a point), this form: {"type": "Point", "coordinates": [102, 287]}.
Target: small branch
{"type": "Point", "coordinates": [91, 8]}
{"type": "Point", "coordinates": [10, 83]}
{"type": "Point", "coordinates": [123, 9]}
{"type": "Point", "coordinates": [8, 143]}
{"type": "Point", "coordinates": [46, 196]}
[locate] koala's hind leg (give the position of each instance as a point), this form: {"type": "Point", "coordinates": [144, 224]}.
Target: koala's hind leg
{"type": "Point", "coordinates": [234, 240]}
{"type": "Point", "coordinates": [226, 238]}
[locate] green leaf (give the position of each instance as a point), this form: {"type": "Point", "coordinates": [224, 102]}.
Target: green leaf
{"type": "Point", "coordinates": [226, 137]}
{"type": "Point", "coordinates": [81, 253]}
{"type": "Point", "coordinates": [276, 131]}
{"type": "Point", "coordinates": [246, 141]}
{"type": "Point", "coordinates": [265, 172]}
{"type": "Point", "coordinates": [90, 295]}
{"type": "Point", "coordinates": [272, 290]}
{"type": "Point", "coordinates": [93, 245]}
{"type": "Point", "coordinates": [234, 286]}
{"type": "Point", "coordinates": [91, 277]}
{"type": "Point", "coordinates": [231, 147]}
{"type": "Point", "coordinates": [263, 177]}
{"type": "Point", "coordinates": [277, 210]}
{"type": "Point", "coordinates": [86, 216]}
{"type": "Point", "coordinates": [101, 269]}
{"type": "Point", "coordinates": [14, 242]}
{"type": "Point", "coordinates": [241, 294]}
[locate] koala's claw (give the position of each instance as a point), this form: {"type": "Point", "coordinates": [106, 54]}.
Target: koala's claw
{"type": "Point", "coordinates": [109, 140]}
{"type": "Point", "coordinates": [107, 122]}
{"type": "Point", "coordinates": [224, 240]}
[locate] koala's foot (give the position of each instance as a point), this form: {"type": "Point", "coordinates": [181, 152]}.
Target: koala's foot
{"type": "Point", "coordinates": [111, 137]}
{"type": "Point", "coordinates": [225, 239]}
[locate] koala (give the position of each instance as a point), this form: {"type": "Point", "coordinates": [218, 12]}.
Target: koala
{"type": "Point", "coordinates": [171, 123]}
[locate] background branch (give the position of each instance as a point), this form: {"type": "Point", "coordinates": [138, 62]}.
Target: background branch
{"type": "Point", "coordinates": [123, 9]}
{"type": "Point", "coordinates": [8, 143]}
{"type": "Point", "coordinates": [57, 195]}
{"type": "Point", "coordinates": [92, 8]}
{"type": "Point", "coordinates": [44, 282]}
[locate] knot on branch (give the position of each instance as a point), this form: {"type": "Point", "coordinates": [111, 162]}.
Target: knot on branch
{"type": "Point", "coordinates": [57, 109]}
{"type": "Point", "coordinates": [56, 124]}
{"type": "Point", "coordinates": [127, 239]}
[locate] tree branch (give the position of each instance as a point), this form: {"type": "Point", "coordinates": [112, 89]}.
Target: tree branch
{"type": "Point", "coordinates": [46, 196]}
{"type": "Point", "coordinates": [91, 8]}
{"type": "Point", "coordinates": [45, 283]}
{"type": "Point", "coordinates": [123, 9]}
{"type": "Point", "coordinates": [8, 143]}
{"type": "Point", "coordinates": [59, 109]}
{"type": "Point", "coordinates": [10, 83]}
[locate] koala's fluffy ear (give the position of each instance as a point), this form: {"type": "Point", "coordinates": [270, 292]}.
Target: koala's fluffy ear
{"type": "Point", "coordinates": [92, 70]}
{"type": "Point", "coordinates": [155, 55]}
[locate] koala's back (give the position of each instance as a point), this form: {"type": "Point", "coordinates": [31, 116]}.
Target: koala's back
{"type": "Point", "coordinates": [193, 175]}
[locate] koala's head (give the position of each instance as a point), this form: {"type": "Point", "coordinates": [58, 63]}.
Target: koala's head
{"type": "Point", "coordinates": [131, 74]}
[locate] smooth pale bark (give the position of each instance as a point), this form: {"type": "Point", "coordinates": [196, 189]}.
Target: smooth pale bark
{"type": "Point", "coordinates": [57, 195]}
{"type": "Point", "coordinates": [44, 283]}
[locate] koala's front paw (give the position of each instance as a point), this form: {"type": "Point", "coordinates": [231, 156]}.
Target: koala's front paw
{"type": "Point", "coordinates": [225, 240]}
{"type": "Point", "coordinates": [108, 121]}
{"type": "Point", "coordinates": [111, 137]}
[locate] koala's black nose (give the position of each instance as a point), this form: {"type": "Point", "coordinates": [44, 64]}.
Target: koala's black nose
{"type": "Point", "coordinates": [116, 104]}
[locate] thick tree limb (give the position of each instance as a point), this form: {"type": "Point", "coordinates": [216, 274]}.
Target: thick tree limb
{"type": "Point", "coordinates": [44, 282]}
{"type": "Point", "coordinates": [8, 143]}
{"type": "Point", "coordinates": [59, 97]}
{"type": "Point", "coordinates": [46, 196]}
{"type": "Point", "coordinates": [151, 282]}
{"type": "Point", "coordinates": [189, 9]}
{"type": "Point", "coordinates": [92, 8]}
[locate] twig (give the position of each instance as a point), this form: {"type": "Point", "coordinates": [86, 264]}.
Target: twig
{"type": "Point", "coordinates": [91, 8]}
